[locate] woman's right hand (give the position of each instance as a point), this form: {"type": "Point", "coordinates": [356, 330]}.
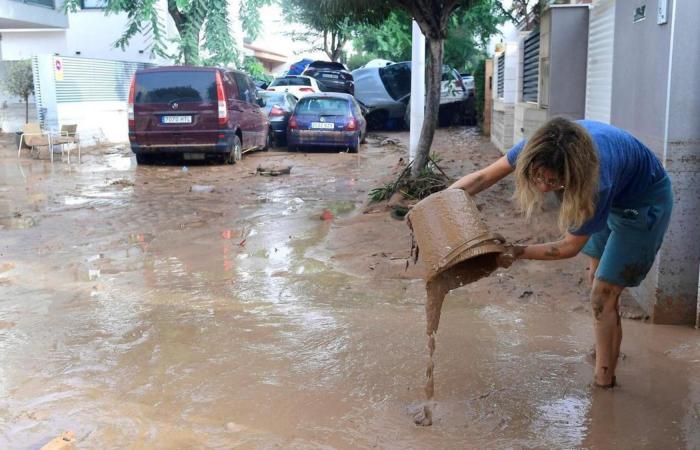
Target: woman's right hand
{"type": "Point", "coordinates": [508, 257]}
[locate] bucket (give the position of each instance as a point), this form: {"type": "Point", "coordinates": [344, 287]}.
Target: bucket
{"type": "Point", "coordinates": [448, 231]}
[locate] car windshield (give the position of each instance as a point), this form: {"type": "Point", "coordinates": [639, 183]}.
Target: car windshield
{"type": "Point", "coordinates": [291, 81]}
{"type": "Point", "coordinates": [273, 97]}
{"type": "Point", "coordinates": [177, 86]}
{"type": "Point", "coordinates": [323, 106]}
{"type": "Point", "coordinates": [326, 65]}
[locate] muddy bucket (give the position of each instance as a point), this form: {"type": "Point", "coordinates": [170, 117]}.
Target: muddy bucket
{"type": "Point", "coordinates": [448, 231]}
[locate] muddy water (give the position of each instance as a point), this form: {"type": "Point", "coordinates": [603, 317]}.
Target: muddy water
{"type": "Point", "coordinates": [436, 289]}
{"type": "Point", "coordinates": [232, 320]}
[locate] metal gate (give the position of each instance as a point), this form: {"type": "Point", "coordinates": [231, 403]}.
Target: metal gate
{"type": "Point", "coordinates": [601, 34]}
{"type": "Point", "coordinates": [501, 74]}
{"type": "Point", "coordinates": [531, 66]}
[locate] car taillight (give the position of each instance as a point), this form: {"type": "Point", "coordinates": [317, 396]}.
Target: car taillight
{"type": "Point", "coordinates": [130, 107]}
{"type": "Point", "coordinates": [221, 100]}
{"type": "Point", "coordinates": [306, 89]}
{"type": "Point", "coordinates": [276, 111]}
{"type": "Point", "coordinates": [352, 124]}
{"type": "Point", "coordinates": [293, 123]}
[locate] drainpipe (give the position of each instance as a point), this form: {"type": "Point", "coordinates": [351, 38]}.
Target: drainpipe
{"type": "Point", "coordinates": [417, 89]}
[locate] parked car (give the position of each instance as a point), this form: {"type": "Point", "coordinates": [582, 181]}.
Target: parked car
{"type": "Point", "coordinates": [469, 85]}
{"type": "Point", "coordinates": [378, 63]}
{"type": "Point", "coordinates": [298, 67]}
{"type": "Point", "coordinates": [331, 76]}
{"type": "Point", "coordinates": [385, 92]}
{"type": "Point", "coordinates": [197, 113]}
{"type": "Point", "coordinates": [297, 85]}
{"type": "Point", "coordinates": [279, 107]}
{"type": "Point", "coordinates": [327, 120]}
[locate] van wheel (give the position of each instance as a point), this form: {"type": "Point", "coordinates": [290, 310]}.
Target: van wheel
{"type": "Point", "coordinates": [236, 153]}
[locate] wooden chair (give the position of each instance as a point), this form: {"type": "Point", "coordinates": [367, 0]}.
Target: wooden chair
{"type": "Point", "coordinates": [33, 137]}
{"type": "Point", "coordinates": [68, 136]}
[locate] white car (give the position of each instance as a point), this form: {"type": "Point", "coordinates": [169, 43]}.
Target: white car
{"type": "Point", "coordinates": [297, 85]}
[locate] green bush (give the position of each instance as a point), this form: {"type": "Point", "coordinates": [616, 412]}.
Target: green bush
{"type": "Point", "coordinates": [359, 60]}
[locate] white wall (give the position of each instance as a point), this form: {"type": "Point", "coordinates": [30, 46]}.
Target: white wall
{"type": "Point", "coordinates": [89, 32]}
{"type": "Point", "coordinates": [25, 44]}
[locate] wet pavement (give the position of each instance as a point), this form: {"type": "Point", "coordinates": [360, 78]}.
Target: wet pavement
{"type": "Point", "coordinates": [141, 314]}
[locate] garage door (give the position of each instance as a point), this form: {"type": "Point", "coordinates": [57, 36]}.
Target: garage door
{"type": "Point", "coordinates": [601, 35]}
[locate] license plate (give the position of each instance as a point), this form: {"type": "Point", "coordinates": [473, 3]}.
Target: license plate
{"type": "Point", "coordinates": [330, 75]}
{"type": "Point", "coordinates": [193, 156]}
{"type": "Point", "coordinates": [322, 125]}
{"type": "Point", "coordinates": [176, 119]}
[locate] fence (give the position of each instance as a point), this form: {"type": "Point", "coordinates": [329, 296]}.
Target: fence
{"type": "Point", "coordinates": [531, 66]}
{"type": "Point", "coordinates": [91, 93]}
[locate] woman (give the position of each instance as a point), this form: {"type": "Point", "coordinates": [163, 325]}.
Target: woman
{"type": "Point", "coordinates": [616, 203]}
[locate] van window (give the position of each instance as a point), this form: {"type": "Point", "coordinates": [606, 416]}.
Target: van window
{"type": "Point", "coordinates": [177, 86]}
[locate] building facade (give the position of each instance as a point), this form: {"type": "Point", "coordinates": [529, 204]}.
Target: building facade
{"type": "Point", "coordinates": [633, 64]}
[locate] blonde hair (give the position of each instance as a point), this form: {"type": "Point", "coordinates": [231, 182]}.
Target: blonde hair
{"type": "Point", "coordinates": [566, 149]}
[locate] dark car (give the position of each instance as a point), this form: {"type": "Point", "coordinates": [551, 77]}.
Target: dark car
{"type": "Point", "coordinates": [331, 76]}
{"type": "Point", "coordinates": [279, 107]}
{"type": "Point", "coordinates": [327, 120]}
{"type": "Point", "coordinates": [197, 113]}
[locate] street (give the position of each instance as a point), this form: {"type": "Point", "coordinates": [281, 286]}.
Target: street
{"type": "Point", "coordinates": [142, 309]}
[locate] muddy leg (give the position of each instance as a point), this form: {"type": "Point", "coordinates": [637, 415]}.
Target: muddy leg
{"type": "Point", "coordinates": [608, 332]}
{"type": "Point", "coordinates": [592, 267]}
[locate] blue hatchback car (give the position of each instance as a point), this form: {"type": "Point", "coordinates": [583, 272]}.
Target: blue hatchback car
{"type": "Point", "coordinates": [328, 120]}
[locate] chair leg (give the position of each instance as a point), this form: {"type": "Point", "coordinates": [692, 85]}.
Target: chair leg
{"type": "Point", "coordinates": [19, 147]}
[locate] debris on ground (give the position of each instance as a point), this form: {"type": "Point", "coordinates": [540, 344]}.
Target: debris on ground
{"type": "Point", "coordinates": [122, 183]}
{"type": "Point", "coordinates": [273, 172]}
{"type": "Point", "coordinates": [389, 141]}
{"type": "Point", "coordinates": [201, 188]}
{"type": "Point", "coordinates": [63, 442]}
{"type": "Point", "coordinates": [431, 179]}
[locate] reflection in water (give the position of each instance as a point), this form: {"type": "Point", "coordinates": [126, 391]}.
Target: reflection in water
{"type": "Point", "coordinates": [562, 421]}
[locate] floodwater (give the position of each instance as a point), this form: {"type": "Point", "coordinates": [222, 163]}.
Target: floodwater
{"type": "Point", "coordinates": [142, 315]}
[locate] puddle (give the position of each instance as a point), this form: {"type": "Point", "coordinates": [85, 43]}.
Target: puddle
{"type": "Point", "coordinates": [17, 223]}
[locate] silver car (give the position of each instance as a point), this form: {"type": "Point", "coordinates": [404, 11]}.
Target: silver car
{"type": "Point", "coordinates": [385, 92]}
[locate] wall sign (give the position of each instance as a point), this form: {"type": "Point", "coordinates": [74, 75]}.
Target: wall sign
{"type": "Point", "coordinates": [58, 68]}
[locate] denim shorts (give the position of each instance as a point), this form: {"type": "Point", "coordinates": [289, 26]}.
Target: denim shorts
{"type": "Point", "coordinates": [627, 246]}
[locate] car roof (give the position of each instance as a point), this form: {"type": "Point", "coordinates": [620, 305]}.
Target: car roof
{"type": "Point", "coordinates": [178, 69]}
{"type": "Point", "coordinates": [328, 95]}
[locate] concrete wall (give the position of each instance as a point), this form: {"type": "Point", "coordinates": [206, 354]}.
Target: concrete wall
{"type": "Point", "coordinates": [656, 97]}
{"type": "Point", "coordinates": [25, 44]}
{"type": "Point", "coordinates": [527, 118]}
{"type": "Point", "coordinates": [502, 125]}
{"type": "Point", "coordinates": [17, 14]}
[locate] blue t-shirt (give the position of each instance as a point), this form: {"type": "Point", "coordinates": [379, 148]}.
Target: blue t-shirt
{"type": "Point", "coordinates": [627, 169]}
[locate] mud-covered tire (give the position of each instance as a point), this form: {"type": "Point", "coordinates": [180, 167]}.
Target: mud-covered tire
{"type": "Point", "coordinates": [236, 153]}
{"type": "Point", "coordinates": [270, 140]}
{"type": "Point", "coordinates": [142, 159]}
{"type": "Point", "coordinates": [356, 146]}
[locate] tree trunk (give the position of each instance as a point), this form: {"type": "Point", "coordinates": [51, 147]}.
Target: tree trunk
{"type": "Point", "coordinates": [26, 109]}
{"type": "Point", "coordinates": [432, 104]}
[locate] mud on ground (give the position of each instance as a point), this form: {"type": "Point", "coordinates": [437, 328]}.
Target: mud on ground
{"type": "Point", "coordinates": [272, 311]}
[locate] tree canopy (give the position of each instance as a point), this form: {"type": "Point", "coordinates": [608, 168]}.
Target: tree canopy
{"type": "Point", "coordinates": [203, 27]}
{"type": "Point", "coordinates": [19, 81]}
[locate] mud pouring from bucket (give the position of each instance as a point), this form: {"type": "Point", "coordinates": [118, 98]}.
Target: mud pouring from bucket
{"type": "Point", "coordinates": [456, 248]}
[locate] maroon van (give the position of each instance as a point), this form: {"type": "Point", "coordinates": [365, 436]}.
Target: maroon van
{"type": "Point", "coordinates": [196, 112]}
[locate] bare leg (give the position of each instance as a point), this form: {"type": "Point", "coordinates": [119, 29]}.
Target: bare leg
{"type": "Point", "coordinates": [608, 330]}
{"type": "Point", "coordinates": [592, 267]}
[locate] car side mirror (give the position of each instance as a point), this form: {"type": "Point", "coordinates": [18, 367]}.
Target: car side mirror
{"type": "Point", "coordinates": [261, 102]}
